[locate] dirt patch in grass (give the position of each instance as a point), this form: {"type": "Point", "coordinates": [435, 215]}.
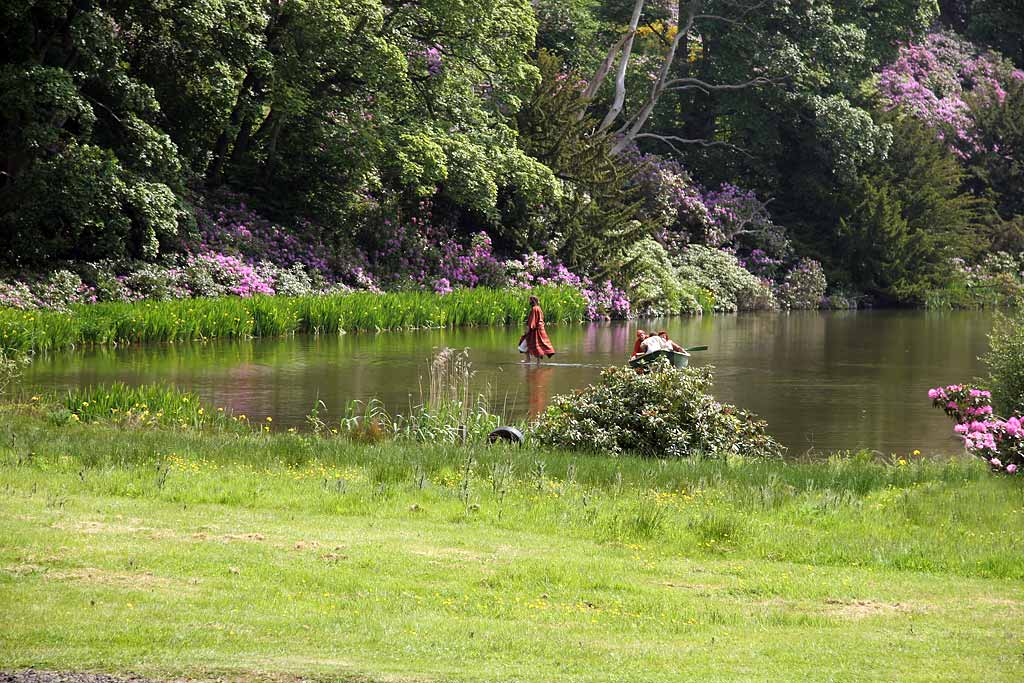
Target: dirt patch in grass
{"type": "Point", "coordinates": [33, 676]}
{"type": "Point", "coordinates": [861, 609]}
{"type": "Point", "coordinates": [118, 579]}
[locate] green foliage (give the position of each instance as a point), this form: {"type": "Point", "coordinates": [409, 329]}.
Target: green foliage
{"type": "Point", "coordinates": [664, 413]}
{"type": "Point", "coordinates": [596, 220]}
{"type": "Point", "coordinates": [653, 286]}
{"type": "Point", "coordinates": [720, 273]}
{"type": "Point", "coordinates": [997, 167]}
{"type": "Point", "coordinates": [909, 217]}
{"type": "Point", "coordinates": [568, 29]}
{"type": "Point", "coordinates": [1000, 24]}
{"type": "Point", "coordinates": [12, 365]}
{"type": "Point", "coordinates": [146, 405]}
{"type": "Point", "coordinates": [230, 317]}
{"type": "Point", "coordinates": [87, 173]}
{"type": "Point", "coordinates": [1005, 363]}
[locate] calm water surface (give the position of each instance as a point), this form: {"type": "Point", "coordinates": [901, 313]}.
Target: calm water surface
{"type": "Point", "coordinates": [827, 381]}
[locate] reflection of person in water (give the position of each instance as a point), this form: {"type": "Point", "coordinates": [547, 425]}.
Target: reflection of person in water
{"type": "Point", "coordinates": [537, 381]}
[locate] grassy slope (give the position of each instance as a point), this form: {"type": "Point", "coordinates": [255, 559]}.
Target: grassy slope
{"type": "Point", "coordinates": [184, 553]}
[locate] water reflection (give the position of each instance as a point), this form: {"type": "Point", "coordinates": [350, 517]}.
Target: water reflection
{"type": "Point", "coordinates": [538, 384]}
{"type": "Point", "coordinates": [822, 380]}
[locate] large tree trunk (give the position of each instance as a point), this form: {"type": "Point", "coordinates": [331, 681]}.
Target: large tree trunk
{"type": "Point", "coordinates": [215, 170]}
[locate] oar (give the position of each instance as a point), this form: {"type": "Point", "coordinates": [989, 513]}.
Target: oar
{"type": "Point", "coordinates": [696, 348]}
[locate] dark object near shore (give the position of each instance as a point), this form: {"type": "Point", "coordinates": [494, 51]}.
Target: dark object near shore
{"type": "Point", "coordinates": [510, 434]}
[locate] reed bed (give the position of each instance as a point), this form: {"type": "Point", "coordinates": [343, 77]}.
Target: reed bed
{"type": "Point", "coordinates": [233, 317]}
{"type": "Point", "coordinates": [146, 405]}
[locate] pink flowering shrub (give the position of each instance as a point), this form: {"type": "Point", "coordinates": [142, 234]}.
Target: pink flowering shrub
{"type": "Point", "coordinates": [234, 228]}
{"type": "Point", "coordinates": [803, 287]}
{"type": "Point", "coordinates": [605, 301]}
{"type": "Point", "coordinates": [16, 294]}
{"type": "Point", "coordinates": [417, 252]}
{"type": "Point", "coordinates": [933, 79]}
{"type": "Point", "coordinates": [997, 441]}
{"type": "Point", "coordinates": [235, 275]}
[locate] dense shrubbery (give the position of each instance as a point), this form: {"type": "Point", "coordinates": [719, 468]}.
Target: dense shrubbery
{"type": "Point", "coordinates": [996, 280]}
{"type": "Point", "coordinates": [1005, 363]}
{"type": "Point", "coordinates": [803, 287]}
{"type": "Point", "coordinates": [720, 273]}
{"type": "Point", "coordinates": [664, 413]}
{"type": "Point", "coordinates": [990, 421]}
{"type": "Point", "coordinates": [167, 152]}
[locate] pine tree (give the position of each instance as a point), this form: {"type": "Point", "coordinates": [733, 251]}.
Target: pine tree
{"type": "Point", "coordinates": [910, 215]}
{"type": "Point", "coordinates": [599, 213]}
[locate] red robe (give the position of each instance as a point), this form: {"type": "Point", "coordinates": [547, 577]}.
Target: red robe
{"type": "Point", "coordinates": [537, 342]}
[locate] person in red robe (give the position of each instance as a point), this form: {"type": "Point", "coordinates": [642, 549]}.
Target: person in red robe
{"type": "Point", "coordinates": [537, 343]}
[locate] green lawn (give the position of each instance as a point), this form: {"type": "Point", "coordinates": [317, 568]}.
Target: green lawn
{"type": "Point", "coordinates": [217, 554]}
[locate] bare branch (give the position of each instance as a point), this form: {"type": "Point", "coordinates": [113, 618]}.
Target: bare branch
{"type": "Point", "coordinates": [630, 129]}
{"type": "Point", "coordinates": [690, 83]}
{"type": "Point", "coordinates": [602, 71]}
{"type": "Point", "coordinates": [669, 139]}
{"type": "Point", "coordinates": [716, 17]}
{"type": "Point", "coordinates": [620, 76]}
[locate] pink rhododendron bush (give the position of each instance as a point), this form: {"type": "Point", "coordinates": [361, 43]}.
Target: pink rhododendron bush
{"type": "Point", "coordinates": [997, 441]}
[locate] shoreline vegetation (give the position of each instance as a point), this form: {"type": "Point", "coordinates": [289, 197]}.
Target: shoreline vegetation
{"type": "Point", "coordinates": [233, 317]}
{"type": "Point", "coordinates": [382, 559]}
{"type": "Point", "coordinates": [269, 316]}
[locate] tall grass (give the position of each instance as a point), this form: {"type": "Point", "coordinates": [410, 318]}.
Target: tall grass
{"type": "Point", "coordinates": [447, 412]}
{"type": "Point", "coordinates": [232, 317]}
{"type": "Point", "coordinates": [147, 405]}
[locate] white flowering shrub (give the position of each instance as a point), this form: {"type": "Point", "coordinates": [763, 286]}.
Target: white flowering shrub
{"type": "Point", "coordinates": [720, 272]}
{"type": "Point", "coordinates": [664, 413]}
{"type": "Point", "coordinates": [804, 286]}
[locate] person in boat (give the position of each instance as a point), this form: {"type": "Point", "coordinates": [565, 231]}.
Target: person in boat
{"type": "Point", "coordinates": [637, 350]}
{"type": "Point", "coordinates": [672, 346]}
{"type": "Point", "coordinates": [652, 344]}
{"type": "Point", "coordinates": [536, 337]}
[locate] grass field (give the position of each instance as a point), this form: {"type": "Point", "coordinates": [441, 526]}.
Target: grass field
{"type": "Point", "coordinates": [249, 556]}
{"type": "Point", "coordinates": [262, 316]}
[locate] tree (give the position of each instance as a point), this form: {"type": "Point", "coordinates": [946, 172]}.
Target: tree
{"type": "Point", "coordinates": [87, 171]}
{"type": "Point", "coordinates": [997, 165]}
{"type": "Point", "coordinates": [908, 217]}
{"type": "Point", "coordinates": [598, 213]}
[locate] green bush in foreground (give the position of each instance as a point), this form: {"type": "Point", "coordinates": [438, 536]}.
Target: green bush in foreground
{"type": "Point", "coordinates": [1005, 362]}
{"type": "Point", "coordinates": [664, 414]}
{"type": "Point", "coordinates": [232, 317]}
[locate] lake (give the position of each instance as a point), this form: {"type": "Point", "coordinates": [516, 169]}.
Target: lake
{"type": "Point", "coordinates": [823, 380]}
